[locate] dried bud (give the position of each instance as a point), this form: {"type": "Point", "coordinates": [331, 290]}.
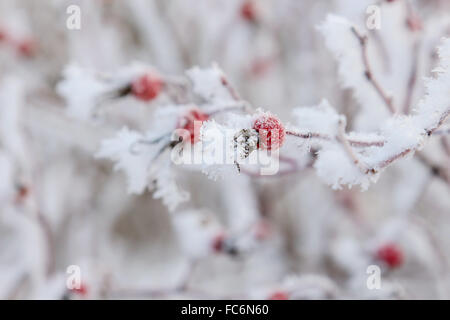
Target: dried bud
{"type": "Point", "coordinates": [245, 142]}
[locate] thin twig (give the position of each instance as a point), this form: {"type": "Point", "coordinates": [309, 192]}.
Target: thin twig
{"type": "Point", "coordinates": [427, 132]}
{"type": "Point", "coordinates": [347, 147]}
{"type": "Point", "coordinates": [369, 74]}
{"type": "Point", "coordinates": [442, 132]}
{"type": "Point", "coordinates": [233, 92]}
{"type": "Point", "coordinates": [436, 170]}
{"type": "Point", "coordinates": [325, 137]}
{"type": "Point", "coordinates": [446, 145]}
{"type": "Point", "coordinates": [412, 79]}
{"type": "Point", "coordinates": [294, 168]}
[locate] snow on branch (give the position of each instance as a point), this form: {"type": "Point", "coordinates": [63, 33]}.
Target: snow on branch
{"type": "Point", "coordinates": [350, 47]}
{"type": "Point", "coordinates": [224, 133]}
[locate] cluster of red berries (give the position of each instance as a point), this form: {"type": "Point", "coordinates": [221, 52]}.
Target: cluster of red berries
{"type": "Point", "coordinates": [391, 255]}
{"type": "Point", "coordinates": [271, 132]}
{"type": "Point", "coordinates": [270, 129]}
{"type": "Point", "coordinates": [189, 121]}
{"type": "Point", "coordinates": [147, 87]}
{"type": "Point", "coordinates": [25, 47]}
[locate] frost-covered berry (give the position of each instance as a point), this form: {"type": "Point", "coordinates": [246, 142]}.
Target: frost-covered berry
{"type": "Point", "coordinates": [390, 254]}
{"type": "Point", "coordinates": [271, 132]}
{"type": "Point", "coordinates": [279, 295]}
{"type": "Point", "coordinates": [248, 11]}
{"type": "Point", "coordinates": [188, 122]}
{"type": "Point", "coordinates": [147, 87]}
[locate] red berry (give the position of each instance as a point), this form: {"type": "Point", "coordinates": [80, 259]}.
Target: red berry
{"type": "Point", "coordinates": [248, 11]}
{"type": "Point", "coordinates": [26, 48]}
{"type": "Point", "coordinates": [3, 35]}
{"type": "Point", "coordinates": [218, 242]}
{"type": "Point", "coordinates": [279, 295]}
{"type": "Point", "coordinates": [188, 122]}
{"type": "Point", "coordinates": [82, 290]}
{"type": "Point", "coordinates": [146, 87]}
{"type": "Point", "coordinates": [390, 254]}
{"type": "Point", "coordinates": [271, 132]}
{"type": "Point", "coordinates": [22, 193]}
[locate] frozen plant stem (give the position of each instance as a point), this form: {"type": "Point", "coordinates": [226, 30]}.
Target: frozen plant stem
{"type": "Point", "coordinates": [428, 132]}
{"type": "Point", "coordinates": [368, 71]}
{"type": "Point", "coordinates": [436, 170]}
{"type": "Point", "coordinates": [347, 147]}
{"type": "Point", "coordinates": [412, 79]}
{"type": "Point", "coordinates": [320, 136]}
{"type": "Point", "coordinates": [234, 94]}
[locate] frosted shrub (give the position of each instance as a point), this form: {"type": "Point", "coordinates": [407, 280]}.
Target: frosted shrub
{"type": "Point", "coordinates": [265, 150]}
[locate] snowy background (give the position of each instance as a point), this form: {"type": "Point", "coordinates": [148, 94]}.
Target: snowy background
{"type": "Point", "coordinates": [361, 93]}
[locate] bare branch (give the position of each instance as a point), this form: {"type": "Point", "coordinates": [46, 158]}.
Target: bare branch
{"type": "Point", "coordinates": [412, 79]}
{"type": "Point", "coordinates": [353, 142]}
{"type": "Point", "coordinates": [369, 74]}
{"type": "Point", "coordinates": [347, 147]}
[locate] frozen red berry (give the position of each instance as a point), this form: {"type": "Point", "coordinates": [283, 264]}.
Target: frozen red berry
{"type": "Point", "coordinates": [249, 11]}
{"type": "Point", "coordinates": [82, 290]}
{"type": "Point", "coordinates": [147, 87]}
{"type": "Point", "coordinates": [279, 295]}
{"type": "Point", "coordinates": [271, 132]}
{"type": "Point", "coordinates": [26, 48]}
{"type": "Point", "coordinates": [191, 121]}
{"type": "Point", "coordinates": [218, 243]}
{"type": "Point", "coordinates": [390, 254]}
